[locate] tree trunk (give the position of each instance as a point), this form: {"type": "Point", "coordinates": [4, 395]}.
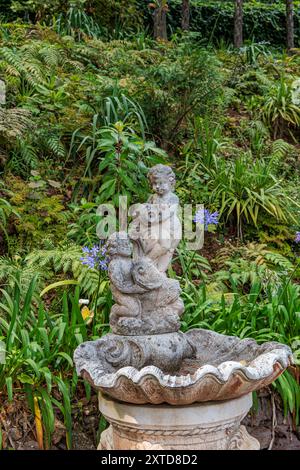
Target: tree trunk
{"type": "Point", "coordinates": [185, 22]}
{"type": "Point", "coordinates": [238, 23]}
{"type": "Point", "coordinates": [160, 22]}
{"type": "Point", "coordinates": [290, 24]}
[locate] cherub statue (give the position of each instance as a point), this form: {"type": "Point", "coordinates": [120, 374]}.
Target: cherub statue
{"type": "Point", "coordinates": [156, 228]}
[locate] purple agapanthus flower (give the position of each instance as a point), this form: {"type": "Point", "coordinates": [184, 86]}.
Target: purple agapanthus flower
{"type": "Point", "coordinates": [95, 257]}
{"type": "Point", "coordinates": [297, 237]}
{"type": "Point", "coordinates": [206, 218]}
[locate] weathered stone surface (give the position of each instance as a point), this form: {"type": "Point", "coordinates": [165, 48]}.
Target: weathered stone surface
{"type": "Point", "coordinates": [156, 229]}
{"type": "Point", "coordinates": [113, 352]}
{"type": "Point", "coordinates": [213, 426]}
{"type": "Point", "coordinates": [147, 302]}
{"type": "Point", "coordinates": [137, 369]}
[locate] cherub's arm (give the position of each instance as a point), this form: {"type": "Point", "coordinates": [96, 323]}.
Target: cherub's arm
{"type": "Point", "coordinates": [171, 208]}
{"type": "Point", "coordinates": [123, 284]}
{"type": "Point", "coordinates": [173, 200]}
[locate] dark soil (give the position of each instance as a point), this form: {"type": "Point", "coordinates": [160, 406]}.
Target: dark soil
{"type": "Point", "coordinates": [272, 430]}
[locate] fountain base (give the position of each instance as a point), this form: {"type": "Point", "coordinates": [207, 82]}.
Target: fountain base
{"type": "Point", "coordinates": [200, 426]}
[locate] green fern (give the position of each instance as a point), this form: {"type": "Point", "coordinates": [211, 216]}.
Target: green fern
{"type": "Point", "coordinates": [19, 65]}
{"type": "Point", "coordinates": [277, 260]}
{"type": "Point", "coordinates": [56, 146]}
{"type": "Point", "coordinates": [250, 264]}
{"type": "Point", "coordinates": [277, 235]}
{"type": "Point", "coordinates": [280, 148]}
{"type": "Point", "coordinates": [50, 55]}
{"type": "Point", "coordinates": [27, 153]}
{"type": "Point", "coordinates": [9, 267]}
{"type": "Point", "coordinates": [66, 260]}
{"type": "Point", "coordinates": [35, 61]}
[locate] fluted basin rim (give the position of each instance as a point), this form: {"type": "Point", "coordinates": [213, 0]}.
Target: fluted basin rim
{"type": "Point", "coordinates": [256, 367]}
{"type": "Point", "coordinates": [260, 368]}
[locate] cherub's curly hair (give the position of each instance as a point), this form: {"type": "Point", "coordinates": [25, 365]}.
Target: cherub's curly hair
{"type": "Point", "coordinates": [162, 171]}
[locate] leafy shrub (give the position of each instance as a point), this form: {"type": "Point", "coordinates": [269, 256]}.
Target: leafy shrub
{"type": "Point", "coordinates": [278, 109]}
{"type": "Point", "coordinates": [41, 213]}
{"type": "Point", "coordinates": [39, 349]}
{"type": "Point", "coordinates": [243, 266]}
{"type": "Point", "coordinates": [121, 158]}
{"type": "Point", "coordinates": [245, 189]}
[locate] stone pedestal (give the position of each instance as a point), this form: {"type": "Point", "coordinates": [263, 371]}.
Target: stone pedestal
{"type": "Point", "coordinates": [200, 426]}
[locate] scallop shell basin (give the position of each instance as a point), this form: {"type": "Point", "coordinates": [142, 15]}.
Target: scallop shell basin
{"type": "Point", "coordinates": [225, 368]}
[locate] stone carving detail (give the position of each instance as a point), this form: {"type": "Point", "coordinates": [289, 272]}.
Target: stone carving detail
{"type": "Point", "coordinates": [112, 353]}
{"type": "Point", "coordinates": [242, 440]}
{"type": "Point", "coordinates": [208, 427]}
{"type": "Point", "coordinates": [147, 302]}
{"type": "Point", "coordinates": [156, 229]}
{"type": "Point", "coordinates": [106, 442]}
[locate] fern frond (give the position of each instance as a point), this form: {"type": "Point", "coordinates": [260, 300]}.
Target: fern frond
{"type": "Point", "coordinates": [74, 64]}
{"type": "Point", "coordinates": [27, 153]}
{"type": "Point", "coordinates": [56, 146]}
{"type": "Point", "coordinates": [12, 58]}
{"type": "Point", "coordinates": [8, 268]}
{"type": "Point", "coordinates": [50, 55]}
{"type": "Point", "coordinates": [276, 259]}
{"type": "Point", "coordinates": [12, 71]}
{"type": "Point", "coordinates": [66, 260]}
{"type": "Point", "coordinates": [280, 148]}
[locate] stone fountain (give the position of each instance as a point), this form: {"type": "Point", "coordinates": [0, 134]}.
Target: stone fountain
{"type": "Point", "coordinates": [159, 388]}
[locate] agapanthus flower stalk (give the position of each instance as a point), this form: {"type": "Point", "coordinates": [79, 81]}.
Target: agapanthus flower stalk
{"type": "Point", "coordinates": [95, 257]}
{"type": "Point", "coordinates": [206, 218]}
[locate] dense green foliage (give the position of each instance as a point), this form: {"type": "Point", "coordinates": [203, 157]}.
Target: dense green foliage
{"type": "Point", "coordinates": [263, 20]}
{"type": "Point", "coordinates": [91, 104]}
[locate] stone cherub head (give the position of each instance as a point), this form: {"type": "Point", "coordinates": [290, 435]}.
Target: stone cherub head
{"type": "Point", "coordinates": [162, 180]}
